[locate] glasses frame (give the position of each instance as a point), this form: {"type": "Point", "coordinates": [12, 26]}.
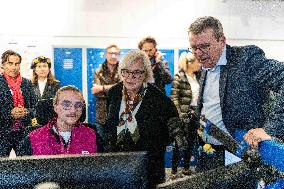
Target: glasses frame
{"type": "Point", "coordinates": [113, 53]}
{"type": "Point", "coordinates": [67, 105]}
{"type": "Point", "coordinates": [203, 48]}
{"type": "Point", "coordinates": [136, 74]}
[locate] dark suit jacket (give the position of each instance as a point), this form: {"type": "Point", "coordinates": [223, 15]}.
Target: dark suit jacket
{"type": "Point", "coordinates": [152, 118]}
{"type": "Point", "coordinates": [245, 85]}
{"type": "Point", "coordinates": [7, 104]}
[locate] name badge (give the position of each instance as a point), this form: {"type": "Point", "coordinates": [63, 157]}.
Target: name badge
{"type": "Point", "coordinates": [85, 152]}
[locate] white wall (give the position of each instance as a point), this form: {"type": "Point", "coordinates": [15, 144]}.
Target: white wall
{"type": "Point", "coordinates": [34, 27]}
{"type": "Point", "coordinates": [37, 25]}
{"type": "Point", "coordinates": [126, 18]}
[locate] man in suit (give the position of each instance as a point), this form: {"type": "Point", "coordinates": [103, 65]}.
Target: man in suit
{"type": "Point", "coordinates": [17, 100]}
{"type": "Point", "coordinates": [236, 84]}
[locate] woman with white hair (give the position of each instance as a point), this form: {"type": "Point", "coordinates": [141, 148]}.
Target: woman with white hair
{"type": "Point", "coordinates": [139, 116]}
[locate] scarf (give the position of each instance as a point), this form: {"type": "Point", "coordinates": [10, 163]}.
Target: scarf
{"type": "Point", "coordinates": [18, 99]}
{"type": "Point", "coordinates": [127, 121]}
{"type": "Point", "coordinates": [15, 85]}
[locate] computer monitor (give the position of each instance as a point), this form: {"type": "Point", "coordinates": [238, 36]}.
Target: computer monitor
{"type": "Point", "coordinates": [108, 170]}
{"type": "Point", "coordinates": [237, 176]}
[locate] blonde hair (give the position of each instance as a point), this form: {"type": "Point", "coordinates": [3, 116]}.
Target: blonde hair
{"type": "Point", "coordinates": [133, 55]}
{"type": "Point", "coordinates": [184, 59]}
{"type": "Point", "coordinates": [67, 88]}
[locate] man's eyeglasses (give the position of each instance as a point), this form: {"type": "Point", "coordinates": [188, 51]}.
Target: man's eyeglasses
{"type": "Point", "coordinates": [113, 53]}
{"type": "Point", "coordinates": [67, 105]}
{"type": "Point", "coordinates": [203, 47]}
{"type": "Point", "coordinates": [135, 73]}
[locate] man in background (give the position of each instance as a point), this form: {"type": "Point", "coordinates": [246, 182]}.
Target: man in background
{"type": "Point", "coordinates": [161, 71]}
{"type": "Point", "coordinates": [105, 77]}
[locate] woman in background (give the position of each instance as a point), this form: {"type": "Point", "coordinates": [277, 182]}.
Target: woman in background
{"type": "Point", "coordinates": [17, 99]}
{"type": "Point", "coordinates": [45, 86]}
{"type": "Point", "coordinates": [184, 94]}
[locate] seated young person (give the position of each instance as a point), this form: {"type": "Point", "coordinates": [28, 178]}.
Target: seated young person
{"type": "Point", "coordinates": [63, 134]}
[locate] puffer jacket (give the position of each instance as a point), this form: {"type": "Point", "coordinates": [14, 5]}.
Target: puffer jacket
{"type": "Point", "coordinates": [181, 93]}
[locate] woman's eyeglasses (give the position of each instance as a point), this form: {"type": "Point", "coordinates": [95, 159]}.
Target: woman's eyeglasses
{"type": "Point", "coordinates": [135, 73]}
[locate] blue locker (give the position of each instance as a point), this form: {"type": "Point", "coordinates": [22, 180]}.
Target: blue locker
{"type": "Point", "coordinates": [68, 66]}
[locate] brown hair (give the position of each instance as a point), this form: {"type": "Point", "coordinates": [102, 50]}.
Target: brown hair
{"type": "Point", "coordinates": [148, 39]}
{"type": "Point", "coordinates": [42, 59]}
{"type": "Point", "coordinates": [5, 56]}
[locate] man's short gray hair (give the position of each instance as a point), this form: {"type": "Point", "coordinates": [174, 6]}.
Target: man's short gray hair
{"type": "Point", "coordinates": [203, 23]}
{"type": "Point", "coordinates": [133, 55]}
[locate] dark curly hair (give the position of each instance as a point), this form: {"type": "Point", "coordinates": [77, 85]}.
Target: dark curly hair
{"type": "Point", "coordinates": [148, 39]}
{"type": "Point", "coordinates": [5, 56]}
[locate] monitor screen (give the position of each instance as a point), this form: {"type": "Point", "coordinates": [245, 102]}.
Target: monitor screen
{"type": "Point", "coordinates": [237, 176]}
{"type": "Point", "coordinates": [108, 170]}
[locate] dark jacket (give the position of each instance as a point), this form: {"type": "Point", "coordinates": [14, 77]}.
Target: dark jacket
{"type": "Point", "coordinates": [49, 90]}
{"type": "Point", "coordinates": [154, 118]}
{"type": "Point", "coordinates": [181, 93]}
{"type": "Point", "coordinates": [44, 108]}
{"type": "Point", "coordinates": [7, 104]}
{"type": "Point", "coordinates": [161, 74]}
{"type": "Point", "coordinates": [245, 85]}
